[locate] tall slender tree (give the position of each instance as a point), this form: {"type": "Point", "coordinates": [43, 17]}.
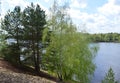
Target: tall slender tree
{"type": "Point", "coordinates": [33, 22]}
{"type": "Point", "coordinates": [11, 26]}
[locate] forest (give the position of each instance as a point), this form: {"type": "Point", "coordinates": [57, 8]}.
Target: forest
{"type": "Point", "coordinates": [33, 40]}
{"type": "Point", "coordinates": [104, 37]}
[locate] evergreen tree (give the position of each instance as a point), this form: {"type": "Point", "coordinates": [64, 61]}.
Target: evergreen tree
{"type": "Point", "coordinates": [109, 78]}
{"type": "Point", "coordinates": [11, 29]}
{"type": "Point", "coordinates": [23, 31]}
{"type": "Point", "coordinates": [33, 20]}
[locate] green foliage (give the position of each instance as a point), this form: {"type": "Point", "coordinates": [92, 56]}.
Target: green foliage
{"type": "Point", "coordinates": [2, 44]}
{"type": "Point", "coordinates": [109, 78]}
{"type": "Point", "coordinates": [23, 31]}
{"type": "Point", "coordinates": [108, 37]}
{"type": "Point", "coordinates": [33, 22]}
{"type": "Point", "coordinates": [10, 51]}
{"type": "Point", "coordinates": [68, 53]}
{"type": "Point", "coordinates": [11, 30]}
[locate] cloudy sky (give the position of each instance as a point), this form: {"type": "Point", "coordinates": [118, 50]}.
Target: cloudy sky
{"type": "Point", "coordinates": [97, 16]}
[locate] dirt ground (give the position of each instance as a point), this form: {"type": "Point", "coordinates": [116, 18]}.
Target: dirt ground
{"type": "Point", "coordinates": [7, 66]}
{"type": "Point", "coordinates": [10, 74]}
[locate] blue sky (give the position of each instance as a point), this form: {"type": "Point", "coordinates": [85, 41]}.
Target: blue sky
{"type": "Point", "coordinates": [94, 16]}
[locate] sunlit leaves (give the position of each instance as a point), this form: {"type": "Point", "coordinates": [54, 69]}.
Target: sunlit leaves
{"type": "Point", "coordinates": [68, 53]}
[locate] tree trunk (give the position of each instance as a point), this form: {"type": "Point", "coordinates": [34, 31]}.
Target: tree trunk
{"type": "Point", "coordinates": [18, 45]}
{"type": "Point", "coordinates": [37, 50]}
{"type": "Point", "coordinates": [35, 60]}
{"type": "Point", "coordinates": [18, 52]}
{"type": "Point", "coordinates": [38, 57]}
{"type": "Point", "coordinates": [35, 54]}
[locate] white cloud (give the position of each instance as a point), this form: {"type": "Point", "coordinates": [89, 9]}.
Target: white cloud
{"type": "Point", "coordinates": [44, 8]}
{"type": "Point", "coordinates": [17, 2]}
{"type": "Point", "coordinates": [107, 19]}
{"type": "Point", "coordinates": [13, 3]}
{"type": "Point", "coordinates": [110, 13]}
{"type": "Point", "coordinates": [10, 4]}
{"type": "Point", "coordinates": [111, 8]}
{"type": "Point", "coordinates": [47, 1]}
{"type": "Point", "coordinates": [78, 4]}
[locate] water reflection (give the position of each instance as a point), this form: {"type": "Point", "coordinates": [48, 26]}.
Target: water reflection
{"type": "Point", "coordinates": [108, 56]}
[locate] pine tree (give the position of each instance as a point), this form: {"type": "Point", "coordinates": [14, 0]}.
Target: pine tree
{"type": "Point", "coordinates": [109, 78]}
{"type": "Point", "coordinates": [11, 29]}
{"type": "Point", "coordinates": [33, 22]}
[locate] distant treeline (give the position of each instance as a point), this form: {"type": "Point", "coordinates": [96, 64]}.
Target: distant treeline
{"type": "Point", "coordinates": [106, 37]}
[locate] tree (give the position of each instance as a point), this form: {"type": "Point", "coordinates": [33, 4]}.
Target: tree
{"type": "Point", "coordinates": [68, 54]}
{"type": "Point", "coordinates": [33, 22]}
{"type": "Point", "coordinates": [2, 44]}
{"type": "Point", "coordinates": [23, 31]}
{"type": "Point", "coordinates": [109, 78]}
{"type": "Point", "coordinates": [11, 29]}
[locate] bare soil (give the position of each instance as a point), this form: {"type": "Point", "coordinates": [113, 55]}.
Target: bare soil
{"type": "Point", "coordinates": [11, 74]}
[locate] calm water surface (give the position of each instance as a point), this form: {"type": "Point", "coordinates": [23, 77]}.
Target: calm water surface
{"type": "Point", "coordinates": [108, 56]}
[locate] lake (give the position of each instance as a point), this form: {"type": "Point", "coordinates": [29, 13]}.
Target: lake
{"type": "Point", "coordinates": [108, 56]}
